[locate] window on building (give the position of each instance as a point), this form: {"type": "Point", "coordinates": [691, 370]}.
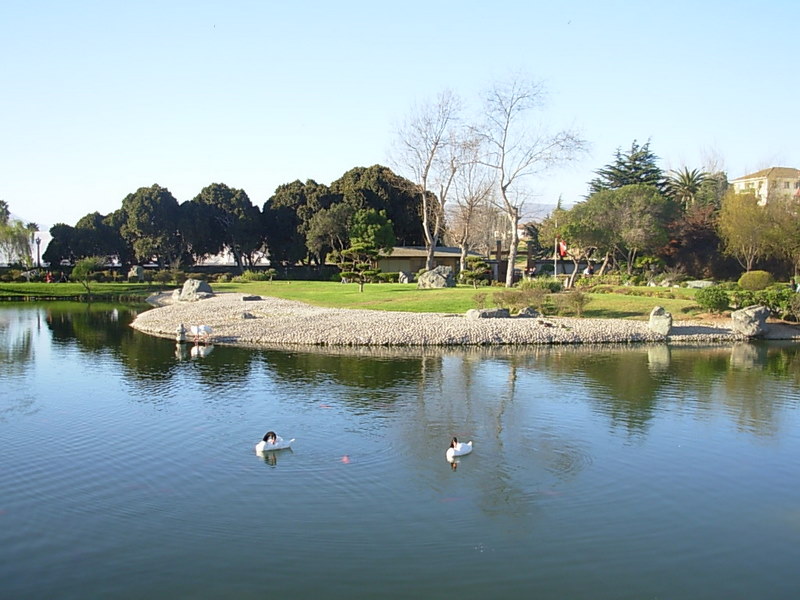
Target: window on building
{"type": "Point", "coordinates": [786, 185]}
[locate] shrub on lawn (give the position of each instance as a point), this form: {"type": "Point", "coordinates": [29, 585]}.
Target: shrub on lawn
{"type": "Point", "coordinates": [713, 299]}
{"type": "Point", "coordinates": [756, 280]}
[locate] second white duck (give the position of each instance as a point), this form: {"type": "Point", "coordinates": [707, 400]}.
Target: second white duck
{"type": "Point", "coordinates": [458, 448]}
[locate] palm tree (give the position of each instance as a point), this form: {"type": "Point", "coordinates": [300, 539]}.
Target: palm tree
{"type": "Point", "coordinates": [683, 186]}
{"type": "Point", "coordinates": [32, 228]}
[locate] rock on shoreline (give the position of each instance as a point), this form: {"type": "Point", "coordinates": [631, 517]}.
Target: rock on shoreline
{"type": "Point", "coordinates": [274, 321]}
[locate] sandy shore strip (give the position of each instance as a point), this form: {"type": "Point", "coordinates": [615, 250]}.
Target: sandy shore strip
{"type": "Point", "coordinates": [274, 321]}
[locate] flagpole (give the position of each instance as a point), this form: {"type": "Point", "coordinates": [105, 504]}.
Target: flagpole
{"type": "Point", "coordinates": [555, 258]}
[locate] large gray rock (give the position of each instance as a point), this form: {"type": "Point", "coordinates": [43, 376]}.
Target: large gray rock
{"type": "Point", "coordinates": [700, 284]}
{"type": "Point", "coordinates": [750, 320]}
{"type": "Point", "coordinates": [529, 312]}
{"type": "Point", "coordinates": [439, 277]}
{"type": "Point", "coordinates": [660, 321]}
{"type": "Point", "coordinates": [136, 272]}
{"type": "Point", "coordinates": [488, 313]}
{"type": "Point", "coordinates": [195, 289]}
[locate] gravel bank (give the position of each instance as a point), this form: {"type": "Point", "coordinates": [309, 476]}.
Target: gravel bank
{"type": "Point", "coordinates": [273, 321]}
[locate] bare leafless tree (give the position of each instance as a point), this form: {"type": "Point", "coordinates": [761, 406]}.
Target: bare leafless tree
{"type": "Point", "coordinates": [427, 153]}
{"type": "Point", "coordinates": [516, 149]}
{"type": "Point", "coordinates": [471, 189]}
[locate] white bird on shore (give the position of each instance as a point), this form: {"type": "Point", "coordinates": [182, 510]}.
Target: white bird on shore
{"type": "Point", "coordinates": [458, 449]}
{"type": "Point", "coordinates": [201, 333]}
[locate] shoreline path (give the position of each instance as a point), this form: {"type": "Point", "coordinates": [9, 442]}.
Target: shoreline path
{"type": "Point", "coordinates": [266, 321]}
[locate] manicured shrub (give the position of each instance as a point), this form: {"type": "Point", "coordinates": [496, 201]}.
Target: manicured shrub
{"type": "Point", "coordinates": [778, 298]}
{"type": "Point", "coordinates": [249, 275]}
{"type": "Point", "coordinates": [756, 280]}
{"type": "Point", "coordinates": [550, 284]}
{"type": "Point", "coordinates": [794, 307]}
{"type": "Point", "coordinates": [389, 277]}
{"type": "Point", "coordinates": [713, 299]}
{"type": "Point", "coordinates": [571, 302]}
{"type": "Point", "coordinates": [740, 298]}
{"type": "Point", "coordinates": [178, 276]}
{"type": "Point", "coordinates": [162, 277]}
{"type": "Point", "coordinates": [535, 298]}
{"type": "Point", "coordinates": [509, 299]}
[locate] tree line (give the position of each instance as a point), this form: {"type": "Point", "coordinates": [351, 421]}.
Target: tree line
{"type": "Point", "coordinates": [463, 179]}
{"type": "Point", "coordinates": [299, 223]}
{"type": "Point", "coordinates": [637, 217]}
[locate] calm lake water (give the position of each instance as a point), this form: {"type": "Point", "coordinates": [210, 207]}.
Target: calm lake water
{"type": "Point", "coordinates": [127, 469]}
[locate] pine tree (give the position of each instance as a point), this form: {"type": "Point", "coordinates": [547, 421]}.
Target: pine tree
{"type": "Point", "coordinates": [630, 168]}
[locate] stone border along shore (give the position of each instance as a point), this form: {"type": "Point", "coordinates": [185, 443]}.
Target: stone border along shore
{"type": "Point", "coordinates": [265, 321]}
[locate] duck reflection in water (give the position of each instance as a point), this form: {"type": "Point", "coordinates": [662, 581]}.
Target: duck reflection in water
{"type": "Point", "coordinates": [271, 458]}
{"type": "Point", "coordinates": [201, 351]}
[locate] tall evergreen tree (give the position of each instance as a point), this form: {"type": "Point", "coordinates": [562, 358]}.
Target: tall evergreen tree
{"type": "Point", "coordinates": [637, 166]}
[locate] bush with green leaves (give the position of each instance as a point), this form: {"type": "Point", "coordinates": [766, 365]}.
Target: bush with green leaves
{"type": "Point", "coordinates": [794, 307]}
{"type": "Point", "coordinates": [756, 280]}
{"type": "Point", "coordinates": [179, 277]}
{"type": "Point", "coordinates": [84, 269]}
{"type": "Point", "coordinates": [162, 276]}
{"type": "Point", "coordinates": [477, 272]}
{"type": "Point", "coordinates": [507, 298]}
{"type": "Point", "coordinates": [713, 299]}
{"type": "Point", "coordinates": [551, 284]}
{"type": "Point", "coordinates": [250, 275]}
{"type": "Point", "coordinates": [389, 277]}
{"type": "Point", "coordinates": [571, 302]}
{"type": "Point", "coordinates": [535, 298]}
{"type": "Point", "coordinates": [778, 298]}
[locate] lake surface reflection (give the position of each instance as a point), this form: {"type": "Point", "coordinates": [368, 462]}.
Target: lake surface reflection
{"type": "Point", "coordinates": [128, 468]}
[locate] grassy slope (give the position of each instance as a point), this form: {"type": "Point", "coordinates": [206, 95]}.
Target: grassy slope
{"type": "Point", "coordinates": [48, 291]}
{"type": "Point", "coordinates": [398, 297]}
{"type": "Point", "coordinates": [402, 297]}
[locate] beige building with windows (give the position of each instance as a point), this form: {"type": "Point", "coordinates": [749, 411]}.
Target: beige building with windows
{"type": "Point", "coordinates": [772, 182]}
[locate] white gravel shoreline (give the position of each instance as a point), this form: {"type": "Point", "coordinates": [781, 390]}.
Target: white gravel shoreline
{"type": "Point", "coordinates": [274, 321]}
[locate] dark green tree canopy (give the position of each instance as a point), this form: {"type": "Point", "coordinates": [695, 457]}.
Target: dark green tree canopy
{"type": "Point", "coordinates": [372, 228]}
{"type": "Point", "coordinates": [637, 166]}
{"type": "Point", "coordinates": [151, 224]}
{"type": "Point", "coordinates": [5, 213]}
{"type": "Point", "coordinates": [283, 217]}
{"type": "Point", "coordinates": [60, 246]}
{"type": "Point", "coordinates": [378, 187]}
{"type": "Point", "coordinates": [94, 235]}
{"type": "Point", "coordinates": [328, 230]}
{"type": "Point", "coordinates": [235, 222]}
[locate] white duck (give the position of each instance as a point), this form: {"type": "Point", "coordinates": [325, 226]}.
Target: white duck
{"type": "Point", "coordinates": [201, 333]}
{"type": "Point", "coordinates": [458, 449]}
{"type": "Point", "coordinates": [271, 442]}
{"type": "Point", "coordinates": [201, 351]}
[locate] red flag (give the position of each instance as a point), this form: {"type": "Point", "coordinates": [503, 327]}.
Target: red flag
{"type": "Point", "coordinates": [562, 248]}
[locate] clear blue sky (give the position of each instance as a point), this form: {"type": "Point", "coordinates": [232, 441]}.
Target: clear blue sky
{"type": "Point", "coordinates": [101, 98]}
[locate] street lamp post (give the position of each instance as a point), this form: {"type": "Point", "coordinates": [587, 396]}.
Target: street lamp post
{"type": "Point", "coordinates": [38, 259]}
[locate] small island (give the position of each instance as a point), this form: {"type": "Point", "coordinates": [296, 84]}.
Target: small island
{"type": "Point", "coordinates": [237, 319]}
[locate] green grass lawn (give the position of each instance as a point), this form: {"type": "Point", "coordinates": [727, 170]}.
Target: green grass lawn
{"type": "Point", "coordinates": [70, 290]}
{"type": "Point", "coordinates": [403, 297]}
{"type": "Point", "coordinates": [635, 303]}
